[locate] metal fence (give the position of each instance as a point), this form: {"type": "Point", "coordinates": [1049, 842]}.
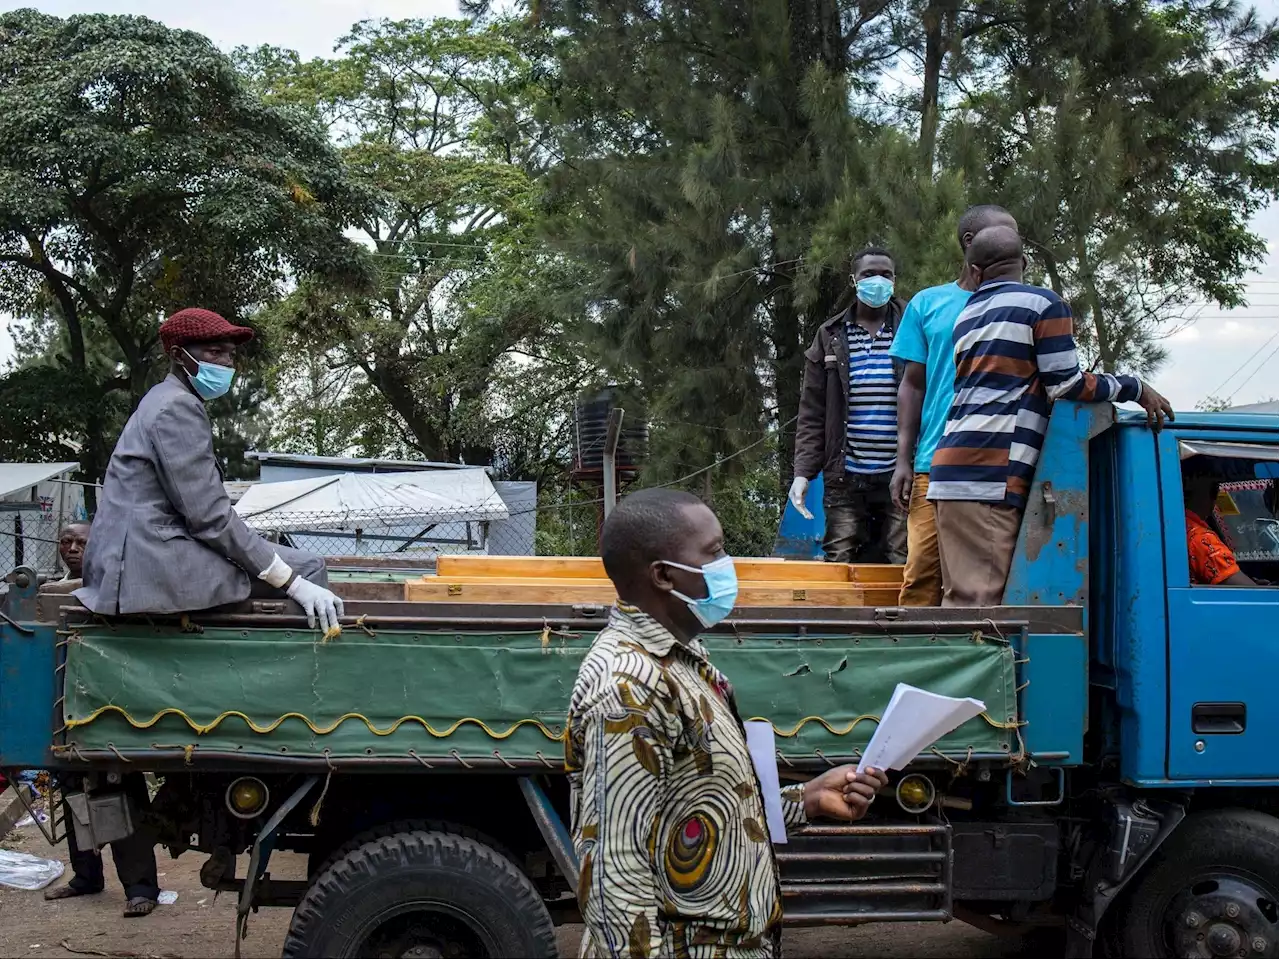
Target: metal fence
{"type": "Point", "coordinates": [404, 533]}
{"type": "Point", "coordinates": [408, 534]}
{"type": "Point", "coordinates": [22, 546]}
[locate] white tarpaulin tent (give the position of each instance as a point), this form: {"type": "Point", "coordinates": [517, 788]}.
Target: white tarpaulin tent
{"type": "Point", "coordinates": [20, 477]}
{"type": "Point", "coordinates": [35, 501]}
{"type": "Point", "coordinates": [371, 501]}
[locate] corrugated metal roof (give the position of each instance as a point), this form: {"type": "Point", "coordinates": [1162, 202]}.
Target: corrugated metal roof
{"type": "Point", "coordinates": [1268, 406]}
{"type": "Point", "coordinates": [237, 488]}
{"type": "Point", "coordinates": [19, 476]}
{"type": "Point", "coordinates": [351, 464]}
{"type": "Point", "coordinates": [345, 500]}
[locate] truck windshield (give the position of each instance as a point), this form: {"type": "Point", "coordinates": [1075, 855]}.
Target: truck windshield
{"type": "Point", "coordinates": [1249, 527]}
{"type": "Point", "coordinates": [1230, 494]}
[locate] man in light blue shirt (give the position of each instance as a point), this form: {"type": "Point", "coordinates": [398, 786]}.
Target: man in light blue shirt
{"type": "Point", "coordinates": [924, 344]}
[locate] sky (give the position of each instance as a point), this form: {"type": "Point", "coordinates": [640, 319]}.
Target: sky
{"type": "Point", "coordinates": [1225, 354]}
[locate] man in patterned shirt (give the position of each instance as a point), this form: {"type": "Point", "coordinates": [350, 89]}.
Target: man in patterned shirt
{"type": "Point", "coordinates": [1015, 353]}
{"type": "Point", "coordinates": [668, 817]}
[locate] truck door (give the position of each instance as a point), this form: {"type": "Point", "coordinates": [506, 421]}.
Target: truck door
{"type": "Point", "coordinates": [1223, 651]}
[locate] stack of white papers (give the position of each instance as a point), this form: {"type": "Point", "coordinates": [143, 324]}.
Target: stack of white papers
{"type": "Point", "coordinates": [765, 759]}
{"type": "Point", "coordinates": [914, 719]}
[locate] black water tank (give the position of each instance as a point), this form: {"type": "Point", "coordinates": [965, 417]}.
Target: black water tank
{"type": "Point", "coordinates": [591, 424]}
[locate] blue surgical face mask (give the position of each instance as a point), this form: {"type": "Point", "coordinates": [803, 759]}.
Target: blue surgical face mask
{"type": "Point", "coordinates": [722, 590]}
{"type": "Point", "coordinates": [875, 291]}
{"type": "Point", "coordinates": [210, 380]}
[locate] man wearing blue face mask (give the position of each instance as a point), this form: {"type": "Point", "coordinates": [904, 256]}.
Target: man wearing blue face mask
{"type": "Point", "coordinates": [165, 538]}
{"type": "Point", "coordinates": [847, 428]}
{"type": "Point", "coordinates": [667, 810]}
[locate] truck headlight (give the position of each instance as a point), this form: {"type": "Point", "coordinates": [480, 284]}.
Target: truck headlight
{"type": "Point", "coordinates": [915, 793]}
{"type": "Point", "coordinates": [247, 797]}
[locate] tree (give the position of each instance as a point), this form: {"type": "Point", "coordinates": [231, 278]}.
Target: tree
{"type": "Point", "coordinates": [465, 310]}
{"type": "Point", "coordinates": [46, 409]}
{"type": "Point", "coordinates": [1134, 143]}
{"type": "Point", "coordinates": [717, 180]}
{"type": "Point", "coordinates": [138, 175]}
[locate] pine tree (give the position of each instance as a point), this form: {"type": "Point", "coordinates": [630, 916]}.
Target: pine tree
{"type": "Point", "coordinates": [718, 181]}
{"type": "Point", "coordinates": [1133, 143]}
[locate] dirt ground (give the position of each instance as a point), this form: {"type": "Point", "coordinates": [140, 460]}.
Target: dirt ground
{"type": "Point", "coordinates": [197, 926]}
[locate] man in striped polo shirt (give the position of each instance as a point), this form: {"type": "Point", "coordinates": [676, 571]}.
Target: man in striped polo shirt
{"type": "Point", "coordinates": [1015, 353]}
{"type": "Point", "coordinates": [848, 423]}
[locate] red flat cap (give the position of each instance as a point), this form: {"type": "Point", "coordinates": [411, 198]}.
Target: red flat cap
{"type": "Point", "coordinates": [194, 325]}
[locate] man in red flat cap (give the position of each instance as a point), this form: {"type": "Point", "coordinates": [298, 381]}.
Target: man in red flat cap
{"type": "Point", "coordinates": [165, 538]}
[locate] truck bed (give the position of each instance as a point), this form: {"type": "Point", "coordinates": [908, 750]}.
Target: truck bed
{"type": "Point", "coordinates": [458, 685]}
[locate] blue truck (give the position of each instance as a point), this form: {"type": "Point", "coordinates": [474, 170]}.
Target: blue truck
{"type": "Point", "coordinates": [1118, 797]}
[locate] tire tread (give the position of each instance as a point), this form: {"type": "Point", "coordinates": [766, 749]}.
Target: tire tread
{"type": "Point", "coordinates": [362, 863]}
{"type": "Point", "coordinates": [1243, 836]}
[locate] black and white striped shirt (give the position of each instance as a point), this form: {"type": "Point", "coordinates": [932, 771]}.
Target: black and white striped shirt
{"type": "Point", "coordinates": [872, 431]}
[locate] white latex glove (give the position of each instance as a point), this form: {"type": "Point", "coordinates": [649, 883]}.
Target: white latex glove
{"type": "Point", "coordinates": [799, 486]}
{"type": "Point", "coordinates": [317, 602]}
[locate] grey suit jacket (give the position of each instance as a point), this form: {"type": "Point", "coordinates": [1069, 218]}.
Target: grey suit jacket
{"type": "Point", "coordinates": [165, 538]}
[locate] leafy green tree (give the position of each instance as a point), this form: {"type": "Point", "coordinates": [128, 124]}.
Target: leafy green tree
{"type": "Point", "coordinates": [717, 180]}
{"type": "Point", "coordinates": [1134, 142]}
{"type": "Point", "coordinates": [461, 343]}
{"type": "Point", "coordinates": [138, 175]}
{"type": "Point", "coordinates": [46, 409]}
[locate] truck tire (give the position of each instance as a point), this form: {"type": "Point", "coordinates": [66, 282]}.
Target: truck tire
{"type": "Point", "coordinates": [421, 894]}
{"type": "Point", "coordinates": [318, 863]}
{"type": "Point", "coordinates": [1210, 890]}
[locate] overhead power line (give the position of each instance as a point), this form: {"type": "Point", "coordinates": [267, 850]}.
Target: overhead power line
{"type": "Point", "coordinates": [1251, 358]}
{"type": "Point", "coordinates": [1256, 371]}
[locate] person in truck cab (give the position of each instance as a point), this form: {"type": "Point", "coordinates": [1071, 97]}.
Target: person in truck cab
{"type": "Point", "coordinates": [848, 423]}
{"type": "Point", "coordinates": [668, 816]}
{"type": "Point", "coordinates": [1015, 352]}
{"type": "Point", "coordinates": [1211, 560]}
{"type": "Point", "coordinates": [165, 538]}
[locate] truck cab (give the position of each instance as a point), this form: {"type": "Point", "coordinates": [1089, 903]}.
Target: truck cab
{"type": "Point", "coordinates": [1119, 787]}
{"type": "Point", "coordinates": [1211, 668]}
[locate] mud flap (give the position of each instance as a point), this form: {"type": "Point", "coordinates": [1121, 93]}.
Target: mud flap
{"type": "Point", "coordinates": [1137, 830]}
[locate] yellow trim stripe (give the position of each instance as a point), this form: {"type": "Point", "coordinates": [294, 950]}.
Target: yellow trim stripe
{"type": "Point", "coordinates": [868, 717]}
{"type": "Point", "coordinates": [203, 728]}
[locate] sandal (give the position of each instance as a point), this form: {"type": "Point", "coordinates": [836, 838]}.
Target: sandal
{"type": "Point", "coordinates": [139, 907]}
{"type": "Point", "coordinates": [68, 892]}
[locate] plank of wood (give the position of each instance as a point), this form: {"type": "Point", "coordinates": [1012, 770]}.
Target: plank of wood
{"type": "Point", "coordinates": [873, 574]}
{"type": "Point", "coordinates": [560, 567]}
{"type": "Point", "coordinates": [590, 567]}
{"type": "Point", "coordinates": [574, 583]}
{"type": "Point", "coordinates": [443, 591]}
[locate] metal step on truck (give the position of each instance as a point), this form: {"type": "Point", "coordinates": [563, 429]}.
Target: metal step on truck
{"type": "Point", "coordinates": [1117, 796]}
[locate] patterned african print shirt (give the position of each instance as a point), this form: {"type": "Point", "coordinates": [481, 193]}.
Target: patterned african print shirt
{"type": "Point", "coordinates": [668, 818]}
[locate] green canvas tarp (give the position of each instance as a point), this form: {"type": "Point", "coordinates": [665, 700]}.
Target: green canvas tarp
{"type": "Point", "coordinates": [274, 691]}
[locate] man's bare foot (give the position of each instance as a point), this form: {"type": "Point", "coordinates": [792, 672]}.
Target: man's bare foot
{"type": "Point", "coordinates": [68, 892]}
{"type": "Point", "coordinates": [139, 907]}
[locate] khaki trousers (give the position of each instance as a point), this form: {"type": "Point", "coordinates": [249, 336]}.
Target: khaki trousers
{"type": "Point", "coordinates": [922, 576]}
{"type": "Point", "coordinates": [975, 543]}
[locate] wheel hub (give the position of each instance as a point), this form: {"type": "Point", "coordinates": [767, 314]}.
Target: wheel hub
{"type": "Point", "coordinates": [1222, 919]}
{"type": "Point", "coordinates": [422, 952]}
{"type": "Point", "coordinates": [1222, 940]}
